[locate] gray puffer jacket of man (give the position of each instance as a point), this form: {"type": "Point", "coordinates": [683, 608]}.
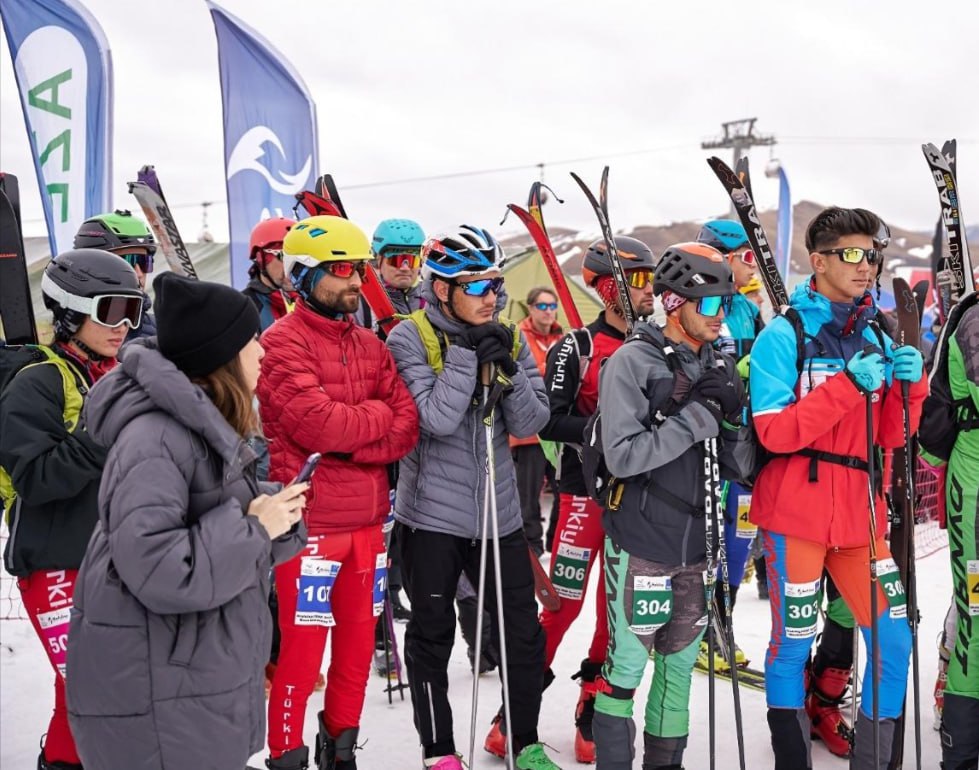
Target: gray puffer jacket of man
{"type": "Point", "coordinates": [170, 629]}
{"type": "Point", "coordinates": [441, 482]}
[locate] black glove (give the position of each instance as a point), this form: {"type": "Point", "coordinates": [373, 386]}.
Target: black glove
{"type": "Point", "coordinates": [720, 394]}
{"type": "Point", "coordinates": [471, 336]}
{"type": "Point", "coordinates": [492, 351]}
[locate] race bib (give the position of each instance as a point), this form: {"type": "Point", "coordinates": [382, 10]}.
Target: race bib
{"type": "Point", "coordinates": [570, 568]}
{"type": "Point", "coordinates": [801, 609]}
{"type": "Point", "coordinates": [652, 604]}
{"type": "Point", "coordinates": [890, 581]}
{"type": "Point", "coordinates": [54, 629]}
{"type": "Point", "coordinates": [972, 585]}
{"type": "Point", "coordinates": [316, 580]}
{"type": "Point", "coordinates": [746, 530]}
{"type": "Point", "coordinates": [380, 582]}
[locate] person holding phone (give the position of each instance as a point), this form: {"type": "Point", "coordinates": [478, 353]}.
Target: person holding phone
{"type": "Point", "coordinates": [330, 386]}
{"type": "Point", "coordinates": [169, 630]}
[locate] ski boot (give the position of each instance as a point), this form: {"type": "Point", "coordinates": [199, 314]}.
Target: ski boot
{"type": "Point", "coordinates": [297, 759]}
{"type": "Point", "coordinates": [43, 764]}
{"type": "Point", "coordinates": [584, 740]}
{"type": "Point", "coordinates": [495, 742]}
{"type": "Point", "coordinates": [720, 664]}
{"type": "Point", "coordinates": [336, 753]}
{"type": "Point", "coordinates": [384, 664]}
{"type": "Point", "coordinates": [448, 762]}
{"type": "Point", "coordinates": [825, 694]}
{"type": "Point", "coordinates": [532, 757]}
{"type": "Point", "coordinates": [943, 658]}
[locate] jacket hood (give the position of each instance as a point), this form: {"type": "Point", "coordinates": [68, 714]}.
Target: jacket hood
{"type": "Point", "coordinates": [843, 317]}
{"type": "Point", "coordinates": [146, 381]}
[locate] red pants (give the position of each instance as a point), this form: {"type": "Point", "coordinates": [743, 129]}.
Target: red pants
{"type": "Point", "coordinates": [47, 599]}
{"type": "Point", "coordinates": [578, 541]}
{"type": "Point", "coordinates": [333, 585]}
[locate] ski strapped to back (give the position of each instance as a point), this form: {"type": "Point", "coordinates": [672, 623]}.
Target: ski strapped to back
{"type": "Point", "coordinates": [149, 195]}
{"type": "Point", "coordinates": [16, 309]}
{"type": "Point", "coordinates": [739, 191]}
{"type": "Point", "coordinates": [601, 211]}
{"type": "Point", "coordinates": [954, 277]}
{"type": "Point", "coordinates": [533, 220]}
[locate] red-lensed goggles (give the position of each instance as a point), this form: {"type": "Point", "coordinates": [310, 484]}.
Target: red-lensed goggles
{"type": "Point", "coordinates": [748, 257]}
{"type": "Point", "coordinates": [404, 259]}
{"type": "Point", "coordinates": [346, 269]}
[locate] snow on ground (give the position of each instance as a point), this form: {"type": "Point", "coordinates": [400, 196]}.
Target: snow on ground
{"type": "Point", "coordinates": [26, 696]}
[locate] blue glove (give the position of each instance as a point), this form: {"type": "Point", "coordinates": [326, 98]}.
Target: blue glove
{"type": "Point", "coordinates": [907, 363]}
{"type": "Point", "coordinates": [866, 371]}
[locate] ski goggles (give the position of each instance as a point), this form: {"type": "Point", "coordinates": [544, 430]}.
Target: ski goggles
{"type": "Point", "coordinates": [748, 257]}
{"type": "Point", "coordinates": [402, 259]}
{"type": "Point", "coordinates": [273, 253]}
{"type": "Point", "coordinates": [545, 305]}
{"type": "Point", "coordinates": [481, 287]}
{"type": "Point", "coordinates": [143, 261]}
{"type": "Point", "coordinates": [711, 306]}
{"type": "Point", "coordinates": [346, 269]}
{"type": "Point", "coordinates": [639, 279]}
{"type": "Point", "coordinates": [854, 255]}
{"type": "Point", "coordinates": [109, 310]}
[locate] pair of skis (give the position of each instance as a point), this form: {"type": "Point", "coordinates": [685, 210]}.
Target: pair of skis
{"type": "Point", "coordinates": [16, 308]}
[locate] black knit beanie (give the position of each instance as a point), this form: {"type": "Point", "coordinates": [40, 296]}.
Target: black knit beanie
{"type": "Point", "coordinates": [201, 325]}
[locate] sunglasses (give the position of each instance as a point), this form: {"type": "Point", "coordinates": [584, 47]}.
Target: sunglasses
{"type": "Point", "coordinates": [711, 306]}
{"type": "Point", "coordinates": [853, 255]}
{"type": "Point", "coordinates": [481, 287]}
{"type": "Point", "coordinates": [346, 269]}
{"type": "Point", "coordinates": [143, 261]}
{"type": "Point", "coordinates": [404, 259]}
{"type": "Point", "coordinates": [546, 305]}
{"type": "Point", "coordinates": [639, 279]}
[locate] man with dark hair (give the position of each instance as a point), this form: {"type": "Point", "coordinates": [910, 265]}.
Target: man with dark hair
{"type": "Point", "coordinates": [812, 500]}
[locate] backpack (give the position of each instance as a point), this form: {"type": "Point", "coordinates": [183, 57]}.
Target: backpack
{"type": "Point", "coordinates": [941, 411]}
{"type": "Point", "coordinates": [13, 360]}
{"type": "Point", "coordinates": [582, 342]}
{"type": "Point", "coordinates": [604, 488]}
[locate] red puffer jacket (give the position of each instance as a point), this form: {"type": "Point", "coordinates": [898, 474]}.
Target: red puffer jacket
{"type": "Point", "coordinates": [332, 387]}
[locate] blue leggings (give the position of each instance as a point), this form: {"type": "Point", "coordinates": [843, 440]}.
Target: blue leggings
{"type": "Point", "coordinates": [737, 540]}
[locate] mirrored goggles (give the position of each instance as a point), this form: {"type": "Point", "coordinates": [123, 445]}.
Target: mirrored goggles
{"type": "Point", "coordinates": [748, 257]}
{"type": "Point", "coordinates": [481, 287]}
{"type": "Point", "coordinates": [546, 305]}
{"type": "Point", "coordinates": [403, 259]}
{"type": "Point", "coordinates": [638, 279]}
{"type": "Point", "coordinates": [854, 255]}
{"type": "Point", "coordinates": [110, 310]}
{"type": "Point", "coordinates": [346, 269]}
{"type": "Point", "coordinates": [143, 261]}
{"type": "Point", "coordinates": [711, 306]}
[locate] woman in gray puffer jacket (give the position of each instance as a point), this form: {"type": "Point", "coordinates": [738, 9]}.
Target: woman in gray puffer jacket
{"type": "Point", "coordinates": [170, 631]}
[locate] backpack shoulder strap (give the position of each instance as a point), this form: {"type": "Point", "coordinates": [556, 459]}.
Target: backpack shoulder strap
{"type": "Point", "coordinates": [434, 340]}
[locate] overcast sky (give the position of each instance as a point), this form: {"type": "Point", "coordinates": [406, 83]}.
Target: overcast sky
{"type": "Point", "coordinates": [407, 90]}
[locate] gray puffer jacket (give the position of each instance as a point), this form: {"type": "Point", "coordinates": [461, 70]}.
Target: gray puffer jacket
{"type": "Point", "coordinates": [441, 482]}
{"type": "Point", "coordinates": [170, 629]}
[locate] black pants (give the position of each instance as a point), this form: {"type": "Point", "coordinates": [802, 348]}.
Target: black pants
{"type": "Point", "coordinates": [531, 464]}
{"type": "Point", "coordinates": [432, 563]}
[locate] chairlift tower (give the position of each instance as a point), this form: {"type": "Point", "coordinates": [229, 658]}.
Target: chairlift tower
{"type": "Point", "coordinates": [739, 136]}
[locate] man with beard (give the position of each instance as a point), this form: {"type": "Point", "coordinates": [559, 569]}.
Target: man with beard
{"type": "Point", "coordinates": [331, 387]}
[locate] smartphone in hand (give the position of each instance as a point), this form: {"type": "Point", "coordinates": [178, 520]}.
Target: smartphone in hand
{"type": "Point", "coordinates": [306, 473]}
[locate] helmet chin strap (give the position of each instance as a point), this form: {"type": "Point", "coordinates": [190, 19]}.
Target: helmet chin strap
{"type": "Point", "coordinates": [89, 353]}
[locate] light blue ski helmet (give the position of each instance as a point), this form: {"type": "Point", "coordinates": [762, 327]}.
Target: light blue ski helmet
{"type": "Point", "coordinates": [725, 235]}
{"type": "Point", "coordinates": [392, 234]}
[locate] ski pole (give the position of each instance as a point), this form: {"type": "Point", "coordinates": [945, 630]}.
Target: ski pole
{"type": "Point", "coordinates": [709, 593]}
{"type": "Point", "coordinates": [912, 587]}
{"type": "Point", "coordinates": [874, 630]}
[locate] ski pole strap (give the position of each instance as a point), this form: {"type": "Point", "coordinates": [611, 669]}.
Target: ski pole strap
{"type": "Point", "coordinates": [817, 456]}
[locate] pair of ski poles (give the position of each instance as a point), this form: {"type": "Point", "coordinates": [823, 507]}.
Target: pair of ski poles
{"type": "Point", "coordinates": [491, 395]}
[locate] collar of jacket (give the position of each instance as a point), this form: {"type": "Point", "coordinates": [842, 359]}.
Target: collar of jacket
{"type": "Point", "coordinates": [328, 327]}
{"type": "Point", "coordinates": [842, 319]}
{"type": "Point", "coordinates": [527, 327]}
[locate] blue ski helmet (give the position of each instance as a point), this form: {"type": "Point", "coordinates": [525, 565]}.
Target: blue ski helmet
{"type": "Point", "coordinates": [725, 235]}
{"type": "Point", "coordinates": [467, 250]}
{"type": "Point", "coordinates": [392, 234]}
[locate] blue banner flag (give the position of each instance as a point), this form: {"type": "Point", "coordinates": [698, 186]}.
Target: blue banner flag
{"type": "Point", "coordinates": [269, 132]}
{"type": "Point", "coordinates": [64, 74]}
{"type": "Point", "coordinates": [783, 241]}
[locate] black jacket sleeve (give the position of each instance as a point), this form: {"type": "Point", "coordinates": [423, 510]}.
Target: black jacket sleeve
{"type": "Point", "coordinates": [44, 460]}
{"type": "Point", "coordinates": [561, 380]}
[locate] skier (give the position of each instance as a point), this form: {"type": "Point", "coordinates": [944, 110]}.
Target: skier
{"type": "Point", "coordinates": [571, 380]}
{"type": "Point", "coordinates": [126, 235]}
{"type": "Point", "coordinates": [396, 246]}
{"type": "Point", "coordinates": [169, 630]}
{"type": "Point", "coordinates": [949, 438]}
{"type": "Point", "coordinates": [440, 353]}
{"type": "Point", "coordinates": [540, 330]}
{"type": "Point", "coordinates": [267, 285]}
{"type": "Point", "coordinates": [662, 395]}
{"type": "Point", "coordinates": [330, 386]}
{"type": "Point", "coordinates": [741, 325]}
{"type": "Point", "coordinates": [50, 464]}
{"type": "Point", "coordinates": [812, 499]}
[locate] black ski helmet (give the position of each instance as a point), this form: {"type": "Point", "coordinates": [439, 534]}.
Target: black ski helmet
{"type": "Point", "coordinates": [633, 253]}
{"type": "Point", "coordinates": [114, 231]}
{"type": "Point", "coordinates": [81, 274]}
{"type": "Point", "coordinates": [693, 270]}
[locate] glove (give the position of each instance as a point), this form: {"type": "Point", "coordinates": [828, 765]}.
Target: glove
{"type": "Point", "coordinates": [492, 351]}
{"type": "Point", "coordinates": [472, 335]}
{"type": "Point", "coordinates": [722, 396]}
{"type": "Point", "coordinates": [907, 363]}
{"type": "Point", "coordinates": [866, 371]}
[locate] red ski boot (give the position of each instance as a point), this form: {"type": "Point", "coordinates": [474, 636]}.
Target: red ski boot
{"type": "Point", "coordinates": [825, 694]}
{"type": "Point", "coordinates": [584, 740]}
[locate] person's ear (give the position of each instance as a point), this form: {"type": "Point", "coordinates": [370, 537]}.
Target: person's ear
{"type": "Point", "coordinates": [441, 289]}
{"type": "Point", "coordinates": [817, 262]}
